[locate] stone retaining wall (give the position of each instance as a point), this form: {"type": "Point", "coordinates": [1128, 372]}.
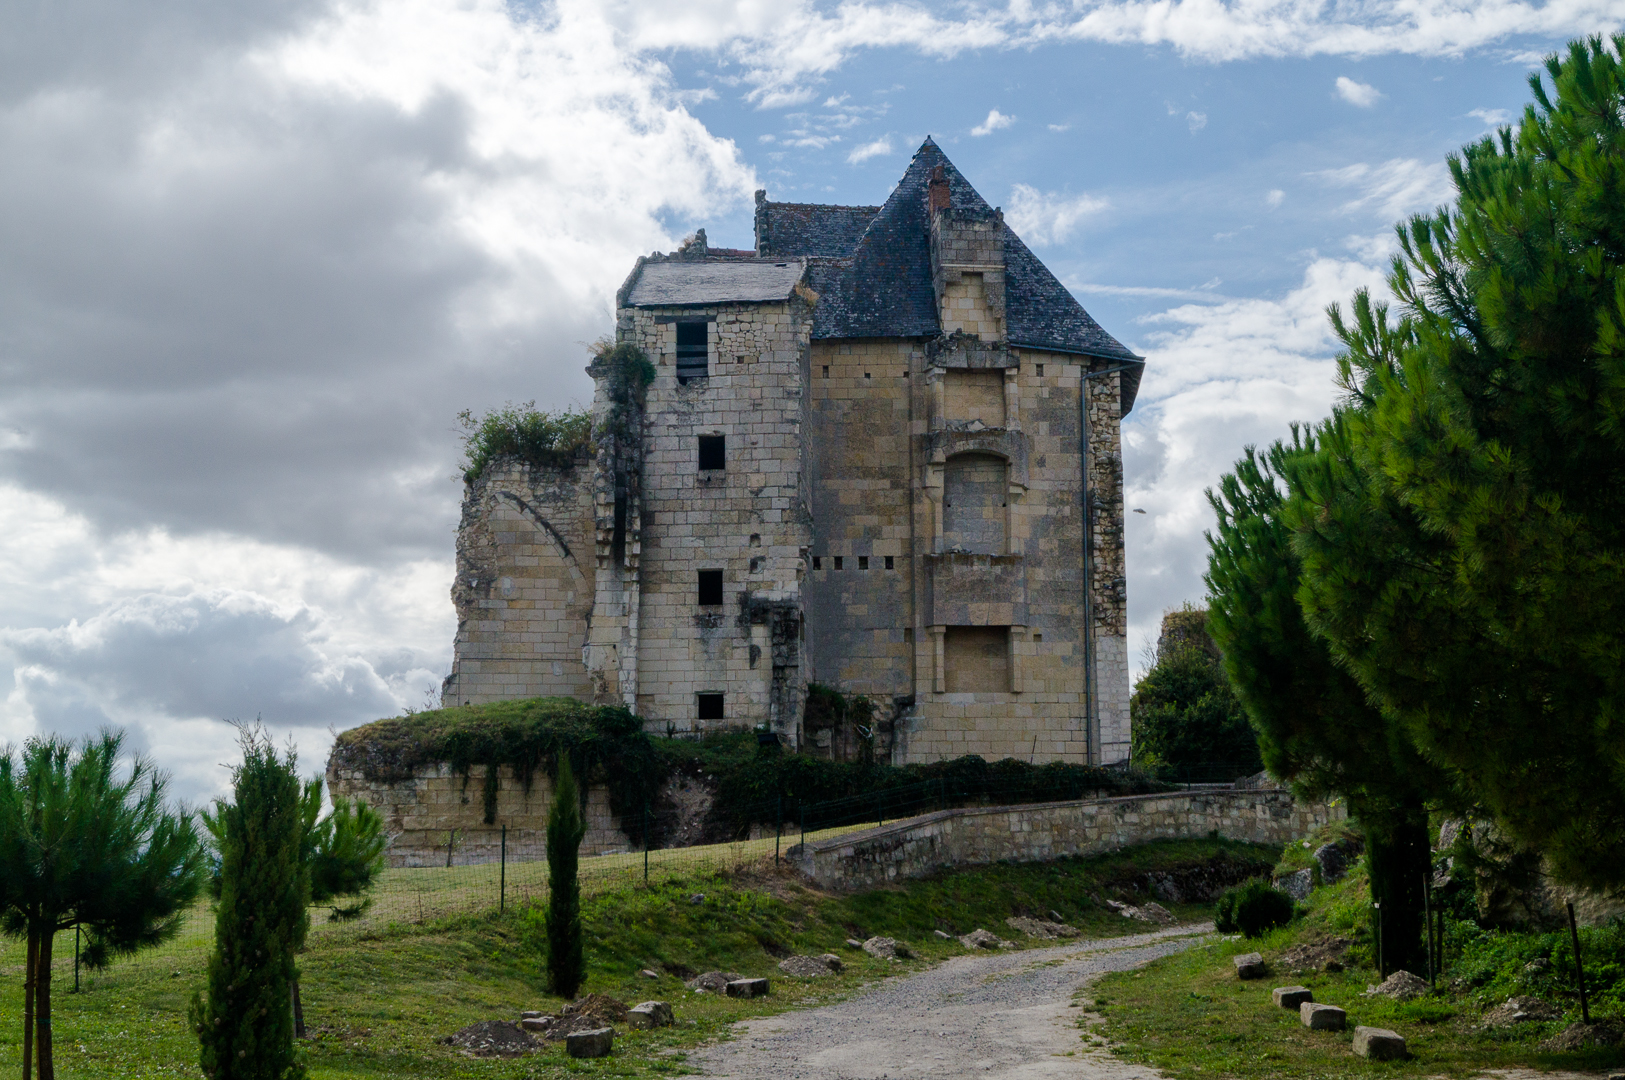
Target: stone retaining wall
{"type": "Point", "coordinates": [439, 809]}
{"type": "Point", "coordinates": [1041, 831]}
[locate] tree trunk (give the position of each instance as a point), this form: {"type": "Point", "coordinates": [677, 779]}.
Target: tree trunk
{"type": "Point", "coordinates": [1399, 858]}
{"type": "Point", "coordinates": [42, 1006]}
{"type": "Point", "coordinates": [298, 1013]}
{"type": "Point", "coordinates": [28, 1003]}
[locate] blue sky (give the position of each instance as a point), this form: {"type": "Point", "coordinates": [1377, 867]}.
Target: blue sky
{"type": "Point", "coordinates": [254, 259]}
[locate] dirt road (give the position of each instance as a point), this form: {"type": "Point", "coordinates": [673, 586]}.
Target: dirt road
{"type": "Point", "coordinates": [994, 1015]}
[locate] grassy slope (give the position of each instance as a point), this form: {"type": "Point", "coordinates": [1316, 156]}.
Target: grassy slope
{"type": "Point", "coordinates": [1190, 1016]}
{"type": "Point", "coordinates": [379, 1000]}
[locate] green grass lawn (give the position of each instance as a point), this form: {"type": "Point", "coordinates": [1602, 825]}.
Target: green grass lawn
{"type": "Point", "coordinates": [378, 997]}
{"type": "Point", "coordinates": [1190, 1016]}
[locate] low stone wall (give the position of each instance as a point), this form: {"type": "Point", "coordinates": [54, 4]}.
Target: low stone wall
{"type": "Point", "coordinates": [1040, 831]}
{"type": "Point", "coordinates": [438, 815]}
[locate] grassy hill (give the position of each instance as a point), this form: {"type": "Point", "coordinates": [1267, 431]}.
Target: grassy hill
{"type": "Point", "coordinates": [379, 998]}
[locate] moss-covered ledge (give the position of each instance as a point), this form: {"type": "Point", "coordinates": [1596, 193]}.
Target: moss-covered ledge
{"type": "Point", "coordinates": [607, 746]}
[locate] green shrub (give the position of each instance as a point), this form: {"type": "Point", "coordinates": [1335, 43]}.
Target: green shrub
{"type": "Point", "coordinates": [523, 432]}
{"type": "Point", "coordinates": [1253, 908]}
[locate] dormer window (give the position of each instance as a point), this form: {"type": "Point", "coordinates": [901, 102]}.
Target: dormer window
{"type": "Point", "coordinates": [693, 350]}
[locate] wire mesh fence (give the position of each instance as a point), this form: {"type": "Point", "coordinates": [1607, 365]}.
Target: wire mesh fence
{"type": "Point", "coordinates": [476, 871]}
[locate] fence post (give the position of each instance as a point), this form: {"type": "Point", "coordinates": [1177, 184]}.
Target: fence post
{"type": "Point", "coordinates": [802, 807]}
{"type": "Point", "coordinates": [778, 836]}
{"type": "Point", "coordinates": [880, 808]}
{"type": "Point", "coordinates": [502, 894]}
{"type": "Point", "coordinates": [76, 958]}
{"type": "Point", "coordinates": [646, 844]}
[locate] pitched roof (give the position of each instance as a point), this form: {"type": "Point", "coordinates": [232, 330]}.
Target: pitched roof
{"type": "Point", "coordinates": [712, 281]}
{"type": "Point", "coordinates": [880, 286]}
{"type": "Point", "coordinates": [809, 228]}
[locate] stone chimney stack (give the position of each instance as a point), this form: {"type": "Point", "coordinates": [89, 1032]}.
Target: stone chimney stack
{"type": "Point", "coordinates": [967, 254]}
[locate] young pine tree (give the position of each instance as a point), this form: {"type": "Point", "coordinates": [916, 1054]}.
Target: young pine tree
{"type": "Point", "coordinates": [84, 842]}
{"type": "Point", "coordinates": [566, 960]}
{"type": "Point", "coordinates": [244, 1021]}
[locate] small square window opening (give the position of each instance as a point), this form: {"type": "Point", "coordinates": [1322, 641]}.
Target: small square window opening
{"type": "Point", "coordinates": [863, 562]}
{"type": "Point", "coordinates": [908, 635]}
{"type": "Point", "coordinates": [818, 562]}
{"type": "Point", "coordinates": [710, 588]}
{"type": "Point", "coordinates": [1037, 638]}
{"type": "Point", "coordinates": [837, 562]}
{"type": "Point", "coordinates": [889, 563]}
{"type": "Point", "coordinates": [865, 374]}
{"type": "Point", "coordinates": [826, 371]}
{"type": "Point", "coordinates": [710, 706]}
{"type": "Point", "coordinates": [713, 452]}
{"type": "Point", "coordinates": [1040, 371]}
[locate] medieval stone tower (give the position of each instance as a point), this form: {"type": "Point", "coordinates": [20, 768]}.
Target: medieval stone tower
{"type": "Point", "coordinates": [880, 452]}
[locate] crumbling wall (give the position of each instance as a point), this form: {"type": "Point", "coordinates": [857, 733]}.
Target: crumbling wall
{"type": "Point", "coordinates": [437, 813]}
{"type": "Point", "coordinates": [524, 586]}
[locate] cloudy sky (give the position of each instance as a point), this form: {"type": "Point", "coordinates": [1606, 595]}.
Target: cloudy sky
{"type": "Point", "coordinates": [255, 257]}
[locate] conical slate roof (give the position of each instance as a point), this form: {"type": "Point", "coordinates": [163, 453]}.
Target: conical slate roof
{"type": "Point", "coordinates": [880, 285]}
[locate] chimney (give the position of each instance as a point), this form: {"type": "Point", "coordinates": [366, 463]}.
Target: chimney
{"type": "Point", "coordinates": [938, 190]}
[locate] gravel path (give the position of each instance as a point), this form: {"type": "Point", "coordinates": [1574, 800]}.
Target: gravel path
{"type": "Point", "coordinates": [996, 1015]}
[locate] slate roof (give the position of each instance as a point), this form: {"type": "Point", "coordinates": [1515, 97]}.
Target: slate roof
{"type": "Point", "coordinates": [881, 285]}
{"type": "Point", "coordinates": [809, 228]}
{"type": "Point", "coordinates": [680, 282]}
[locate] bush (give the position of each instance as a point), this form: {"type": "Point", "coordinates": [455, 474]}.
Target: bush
{"type": "Point", "coordinates": [523, 432]}
{"type": "Point", "coordinates": [1253, 908]}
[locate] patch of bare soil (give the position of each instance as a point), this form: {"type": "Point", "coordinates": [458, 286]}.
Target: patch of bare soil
{"type": "Point", "coordinates": [1323, 954]}
{"type": "Point", "coordinates": [1601, 1033]}
{"type": "Point", "coordinates": [492, 1038]}
{"type": "Point", "coordinates": [597, 1006]}
{"type": "Point", "coordinates": [1517, 1010]}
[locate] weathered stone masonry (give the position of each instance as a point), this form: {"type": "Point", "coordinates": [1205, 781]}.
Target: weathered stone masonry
{"type": "Point", "coordinates": [863, 461]}
{"type": "Point", "coordinates": [1043, 831]}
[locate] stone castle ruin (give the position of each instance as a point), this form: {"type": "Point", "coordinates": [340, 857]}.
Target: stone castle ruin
{"type": "Point", "coordinates": [880, 453]}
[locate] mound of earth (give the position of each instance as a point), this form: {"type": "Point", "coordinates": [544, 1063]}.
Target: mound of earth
{"type": "Point", "coordinates": [1150, 912]}
{"type": "Point", "coordinates": [1401, 986]}
{"type": "Point", "coordinates": [601, 1006]}
{"type": "Point", "coordinates": [1603, 1033]}
{"type": "Point", "coordinates": [493, 1038]}
{"type": "Point", "coordinates": [885, 948]}
{"type": "Point", "coordinates": [1518, 1010]}
{"type": "Point", "coordinates": [714, 982]}
{"type": "Point", "coordinates": [1039, 928]}
{"type": "Point", "coordinates": [809, 967]}
{"type": "Point", "coordinates": [983, 939]}
{"type": "Point", "coordinates": [1324, 954]}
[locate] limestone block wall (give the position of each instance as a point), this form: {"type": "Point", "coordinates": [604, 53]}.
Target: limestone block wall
{"type": "Point", "coordinates": [978, 835]}
{"type": "Point", "coordinates": [524, 585]}
{"type": "Point", "coordinates": [747, 519]}
{"type": "Point", "coordinates": [437, 807]}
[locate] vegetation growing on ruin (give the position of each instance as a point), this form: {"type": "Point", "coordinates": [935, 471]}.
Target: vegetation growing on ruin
{"type": "Point", "coordinates": [606, 745]}
{"type": "Point", "coordinates": [524, 432]}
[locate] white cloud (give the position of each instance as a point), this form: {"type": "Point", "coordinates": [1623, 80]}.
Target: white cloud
{"type": "Point", "coordinates": [1221, 377]}
{"type": "Point", "coordinates": [1196, 120]}
{"type": "Point", "coordinates": [1275, 198]}
{"type": "Point", "coordinates": [1060, 127]}
{"type": "Point", "coordinates": [784, 48]}
{"type": "Point", "coordinates": [1395, 188]}
{"type": "Point", "coordinates": [1045, 217]}
{"type": "Point", "coordinates": [995, 120]}
{"type": "Point", "coordinates": [863, 153]}
{"type": "Point", "coordinates": [1492, 117]}
{"type": "Point", "coordinates": [1357, 93]}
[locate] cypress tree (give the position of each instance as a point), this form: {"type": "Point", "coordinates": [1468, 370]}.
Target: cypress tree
{"type": "Point", "coordinates": [244, 1021]}
{"type": "Point", "coordinates": [566, 959]}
